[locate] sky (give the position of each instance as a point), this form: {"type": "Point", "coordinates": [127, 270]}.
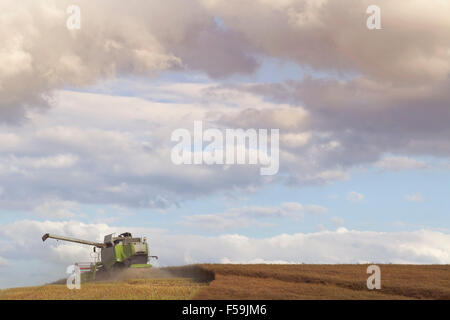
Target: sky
{"type": "Point", "coordinates": [86, 118]}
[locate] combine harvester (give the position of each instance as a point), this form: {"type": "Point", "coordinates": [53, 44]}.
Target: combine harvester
{"type": "Point", "coordinates": [119, 252]}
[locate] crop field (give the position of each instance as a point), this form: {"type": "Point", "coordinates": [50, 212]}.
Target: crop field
{"type": "Point", "coordinates": [153, 289]}
{"type": "Point", "coordinates": [225, 281]}
{"type": "Point", "coordinates": [305, 281]}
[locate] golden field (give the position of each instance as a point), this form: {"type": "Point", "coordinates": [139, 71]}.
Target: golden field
{"type": "Point", "coordinates": [226, 281]}
{"type": "Point", "coordinates": [132, 289]}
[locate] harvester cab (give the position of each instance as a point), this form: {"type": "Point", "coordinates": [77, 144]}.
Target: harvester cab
{"type": "Point", "coordinates": [123, 251]}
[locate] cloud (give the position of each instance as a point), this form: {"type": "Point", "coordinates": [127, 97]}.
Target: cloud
{"type": "Point", "coordinates": [337, 221]}
{"type": "Point", "coordinates": [74, 153]}
{"type": "Point", "coordinates": [354, 196]}
{"type": "Point", "coordinates": [245, 217]}
{"type": "Point", "coordinates": [357, 121]}
{"type": "Point", "coordinates": [100, 49]}
{"type": "Point", "coordinates": [255, 261]}
{"type": "Point", "coordinates": [353, 106]}
{"type": "Point", "coordinates": [115, 39]}
{"type": "Point", "coordinates": [400, 163]}
{"type": "Point", "coordinates": [4, 263]}
{"type": "Point", "coordinates": [316, 209]}
{"type": "Point", "coordinates": [417, 197]}
{"type": "Point", "coordinates": [56, 209]}
{"type": "Point", "coordinates": [50, 162]}
{"type": "Point", "coordinates": [296, 140]}
{"type": "Point", "coordinates": [135, 38]}
{"type": "Point", "coordinates": [217, 222]}
{"type": "Point", "coordinates": [326, 35]}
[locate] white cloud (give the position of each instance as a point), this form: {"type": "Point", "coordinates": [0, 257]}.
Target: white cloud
{"type": "Point", "coordinates": [58, 209]}
{"type": "Point", "coordinates": [292, 207]}
{"type": "Point", "coordinates": [329, 176]}
{"type": "Point", "coordinates": [244, 217]}
{"type": "Point", "coordinates": [337, 221]}
{"type": "Point", "coordinates": [355, 196]}
{"type": "Point", "coordinates": [217, 222]}
{"type": "Point", "coordinates": [417, 197]}
{"type": "Point", "coordinates": [255, 261]}
{"type": "Point", "coordinates": [295, 140]}
{"type": "Point", "coordinates": [9, 141]}
{"type": "Point", "coordinates": [316, 209]}
{"type": "Point", "coordinates": [59, 161]}
{"type": "Point", "coordinates": [400, 163]}
{"type": "Point", "coordinates": [4, 263]}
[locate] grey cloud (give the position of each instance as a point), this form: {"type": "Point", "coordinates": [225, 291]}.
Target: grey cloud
{"type": "Point", "coordinates": [358, 121]}
{"type": "Point", "coordinates": [64, 155]}
{"type": "Point", "coordinates": [40, 54]}
{"type": "Point", "coordinates": [412, 46]}
{"type": "Point", "coordinates": [144, 38]}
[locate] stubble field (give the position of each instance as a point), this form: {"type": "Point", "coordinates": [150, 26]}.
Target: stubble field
{"type": "Point", "coordinates": [226, 281]}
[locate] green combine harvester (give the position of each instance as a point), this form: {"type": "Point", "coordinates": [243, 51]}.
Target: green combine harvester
{"type": "Point", "coordinates": [119, 252]}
